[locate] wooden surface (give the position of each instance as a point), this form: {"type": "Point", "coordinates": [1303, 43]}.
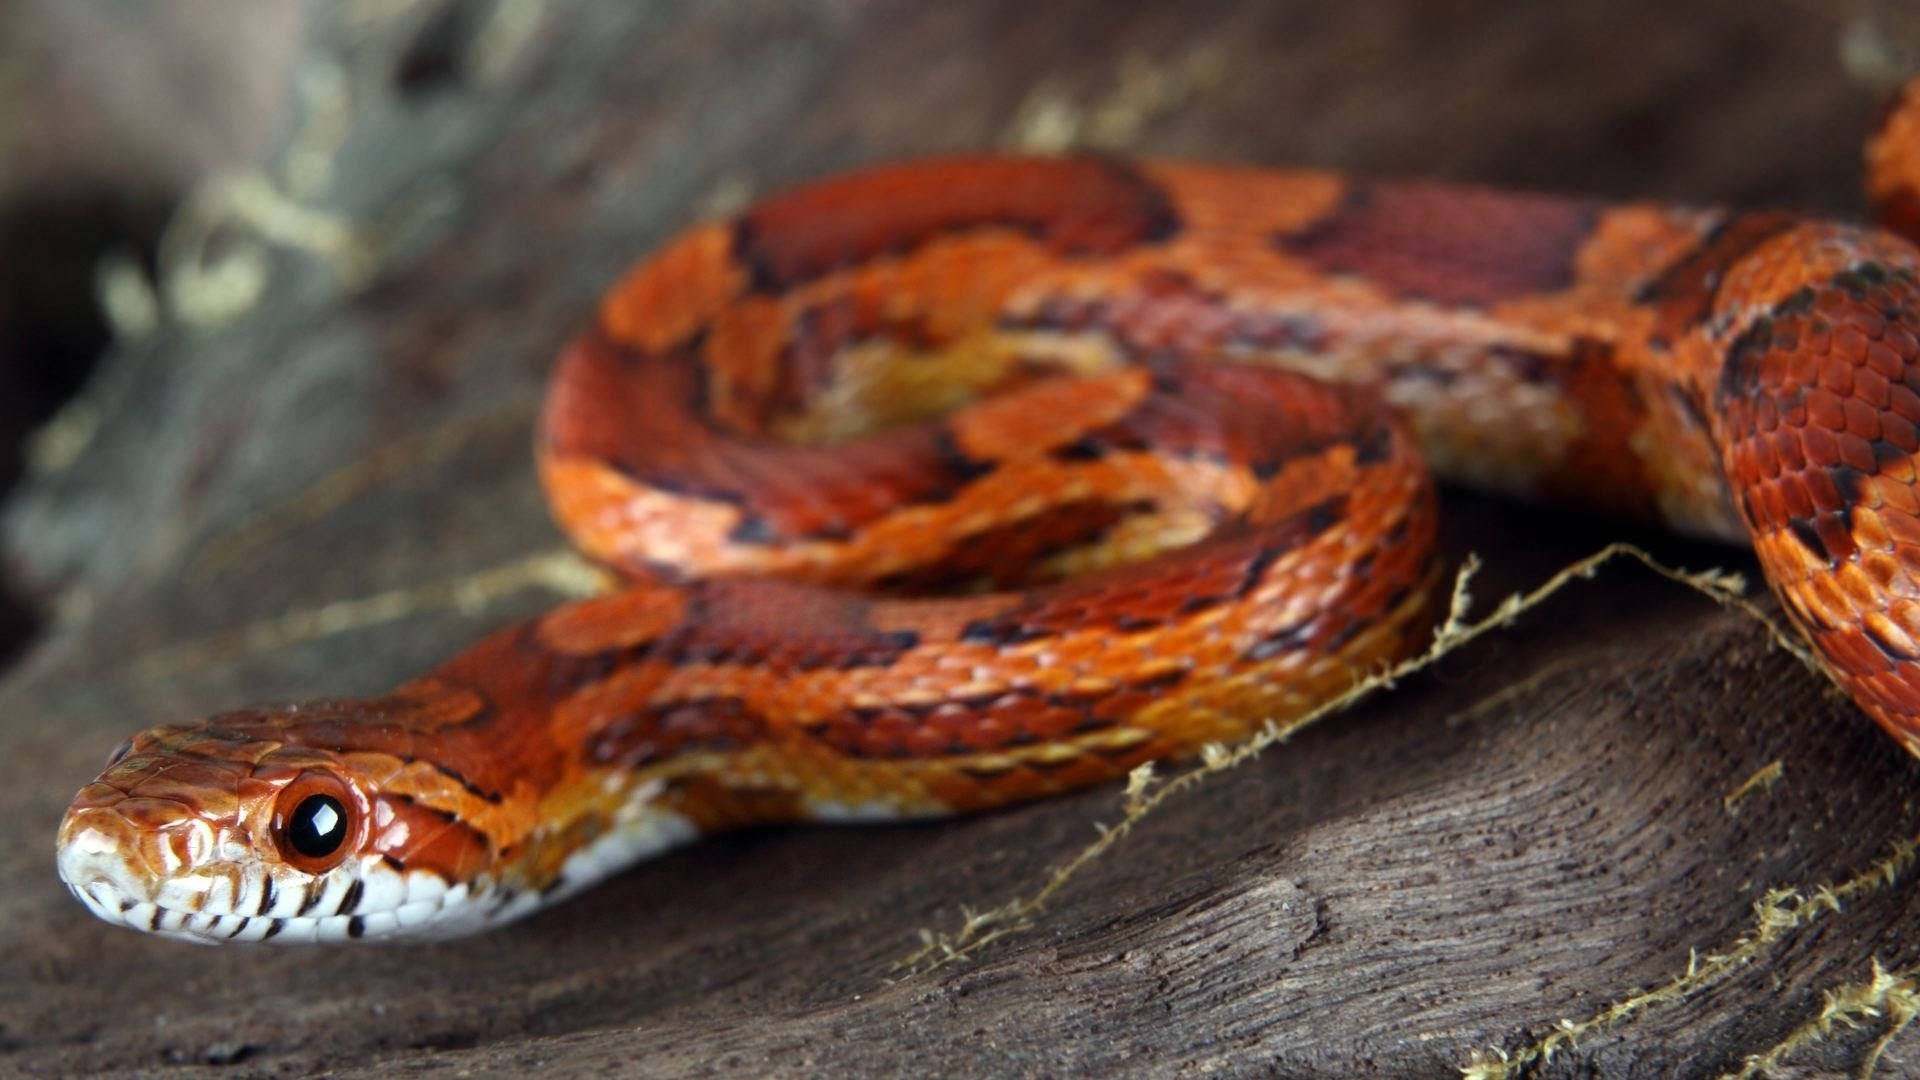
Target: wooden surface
{"type": "Point", "coordinates": [1553, 827]}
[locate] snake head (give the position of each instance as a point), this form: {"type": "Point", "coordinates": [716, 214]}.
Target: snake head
{"type": "Point", "coordinates": [231, 829]}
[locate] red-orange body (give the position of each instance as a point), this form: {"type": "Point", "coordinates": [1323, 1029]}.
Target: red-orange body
{"type": "Point", "coordinates": [1152, 432]}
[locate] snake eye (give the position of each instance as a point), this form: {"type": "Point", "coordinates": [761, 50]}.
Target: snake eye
{"type": "Point", "coordinates": [318, 826]}
{"type": "Point", "coordinates": [314, 822]}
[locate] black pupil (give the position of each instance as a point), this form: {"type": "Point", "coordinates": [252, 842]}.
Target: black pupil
{"type": "Point", "coordinates": [318, 826]}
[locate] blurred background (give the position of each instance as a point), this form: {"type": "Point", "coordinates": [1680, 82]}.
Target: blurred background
{"type": "Point", "coordinates": [110, 114]}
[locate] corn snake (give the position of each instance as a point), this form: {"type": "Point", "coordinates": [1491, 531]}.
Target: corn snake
{"type": "Point", "coordinates": [1152, 425]}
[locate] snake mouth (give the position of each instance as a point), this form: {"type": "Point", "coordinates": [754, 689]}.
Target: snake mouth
{"type": "Point", "coordinates": [319, 910]}
{"type": "Point", "coordinates": [423, 920]}
{"type": "Point", "coordinates": [240, 901]}
{"type": "Point", "coordinates": [199, 927]}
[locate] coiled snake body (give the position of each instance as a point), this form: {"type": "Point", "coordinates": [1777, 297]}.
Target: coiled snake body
{"type": "Point", "coordinates": [1153, 431]}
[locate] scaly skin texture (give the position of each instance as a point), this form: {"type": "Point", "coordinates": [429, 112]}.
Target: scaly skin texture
{"type": "Point", "coordinates": [1151, 437]}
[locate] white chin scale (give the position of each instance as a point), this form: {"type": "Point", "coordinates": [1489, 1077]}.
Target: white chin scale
{"type": "Point", "coordinates": [363, 899]}
{"type": "Point", "coordinates": [360, 900]}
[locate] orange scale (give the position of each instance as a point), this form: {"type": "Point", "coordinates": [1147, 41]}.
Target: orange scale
{"type": "Point", "coordinates": [1868, 497]}
{"type": "Point", "coordinates": [1856, 586]}
{"type": "Point", "coordinates": [1862, 419]}
{"type": "Point", "coordinates": [1117, 708]}
{"type": "Point", "coordinates": [155, 813]}
{"type": "Point", "coordinates": [1889, 692]}
{"type": "Point", "coordinates": [1867, 320]}
{"type": "Point", "coordinates": [1800, 606]}
{"type": "Point", "coordinates": [1836, 373]}
{"type": "Point", "coordinates": [1801, 367]}
{"type": "Point", "coordinates": [1022, 670]}
{"type": "Point", "coordinates": [982, 732]}
{"type": "Point", "coordinates": [1904, 402]}
{"type": "Point", "coordinates": [913, 665]}
{"type": "Point", "coordinates": [984, 684]}
{"type": "Point", "coordinates": [838, 729]}
{"type": "Point", "coordinates": [1824, 409]}
{"type": "Point", "coordinates": [916, 743]}
{"type": "Point", "coordinates": [1043, 721]}
{"type": "Point", "coordinates": [1903, 592]}
{"type": "Point", "coordinates": [1869, 533]}
{"type": "Point", "coordinates": [1891, 633]}
{"type": "Point", "coordinates": [963, 792]}
{"type": "Point", "coordinates": [1822, 489]}
{"type": "Point", "coordinates": [951, 727]}
{"type": "Point", "coordinates": [861, 740]}
{"type": "Point", "coordinates": [201, 786]}
{"type": "Point", "coordinates": [1898, 497]}
{"type": "Point", "coordinates": [1787, 557]}
{"type": "Point", "coordinates": [1852, 652]}
{"type": "Point", "coordinates": [1902, 696]}
{"type": "Point", "coordinates": [1870, 379]}
{"type": "Point", "coordinates": [1901, 587]}
{"type": "Point", "coordinates": [886, 742]}
{"type": "Point", "coordinates": [1851, 341]}
{"type": "Point", "coordinates": [1177, 638]}
{"type": "Point", "coordinates": [1077, 650]}
{"type": "Point", "coordinates": [1905, 535]}
{"type": "Point", "coordinates": [1899, 432]}
{"type": "Point", "coordinates": [1905, 613]}
{"type": "Point", "coordinates": [1823, 453]}
{"type": "Point", "coordinates": [1084, 771]}
{"type": "Point", "coordinates": [1825, 601]}
{"type": "Point", "coordinates": [1232, 697]}
{"type": "Point", "coordinates": [1216, 650]}
{"type": "Point", "coordinates": [1900, 342]}
{"type": "Point", "coordinates": [1795, 497]}
{"type": "Point", "coordinates": [1233, 633]}
{"type": "Point", "coordinates": [1786, 443]}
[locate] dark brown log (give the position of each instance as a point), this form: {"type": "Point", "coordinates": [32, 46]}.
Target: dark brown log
{"type": "Point", "coordinates": [1558, 821]}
